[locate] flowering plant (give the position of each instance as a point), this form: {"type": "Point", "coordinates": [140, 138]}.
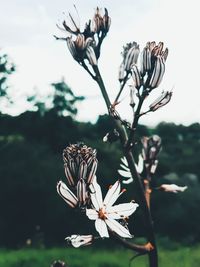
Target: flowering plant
{"type": "Point", "coordinates": [80, 161]}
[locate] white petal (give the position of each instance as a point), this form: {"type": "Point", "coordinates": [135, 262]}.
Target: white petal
{"type": "Point", "coordinates": [101, 228]}
{"type": "Point", "coordinates": [130, 180]}
{"type": "Point", "coordinates": [118, 228]}
{"type": "Point", "coordinates": [121, 210]}
{"type": "Point", "coordinates": [96, 195]}
{"type": "Point", "coordinates": [125, 173]}
{"type": "Point", "coordinates": [124, 160]}
{"type": "Point", "coordinates": [92, 214]}
{"type": "Point", "coordinates": [140, 165]}
{"type": "Point", "coordinates": [172, 188]}
{"type": "Point", "coordinates": [112, 194]}
{"type": "Point", "coordinates": [124, 167]}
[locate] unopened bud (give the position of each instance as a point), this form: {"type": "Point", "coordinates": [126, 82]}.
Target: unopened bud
{"type": "Point", "coordinates": [161, 101]}
{"type": "Point", "coordinates": [91, 55]}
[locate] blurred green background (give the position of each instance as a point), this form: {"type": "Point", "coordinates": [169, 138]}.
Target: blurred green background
{"type": "Point", "coordinates": [32, 215]}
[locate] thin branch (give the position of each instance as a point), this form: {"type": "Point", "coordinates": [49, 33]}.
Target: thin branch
{"type": "Point", "coordinates": [87, 69]}
{"type": "Point", "coordinates": [121, 87]}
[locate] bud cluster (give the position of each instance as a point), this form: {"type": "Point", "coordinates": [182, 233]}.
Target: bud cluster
{"type": "Point", "coordinates": [152, 67]}
{"type": "Point", "coordinates": [150, 151]}
{"type": "Point", "coordinates": [80, 165]}
{"type": "Point", "coordinates": [86, 44]}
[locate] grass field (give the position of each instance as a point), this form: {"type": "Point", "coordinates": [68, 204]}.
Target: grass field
{"type": "Point", "coordinates": [87, 257]}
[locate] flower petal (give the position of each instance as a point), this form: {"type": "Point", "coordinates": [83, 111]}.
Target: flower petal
{"type": "Point", "coordinates": [118, 228]}
{"type": "Point", "coordinates": [121, 210]}
{"type": "Point", "coordinates": [112, 194]}
{"type": "Point", "coordinates": [130, 180]}
{"type": "Point", "coordinates": [96, 195]}
{"type": "Point", "coordinates": [139, 167]}
{"type": "Point", "coordinates": [101, 228]}
{"type": "Point", "coordinates": [125, 173]}
{"type": "Point", "coordinates": [92, 214]}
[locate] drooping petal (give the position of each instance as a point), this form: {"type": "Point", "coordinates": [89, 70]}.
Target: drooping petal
{"type": "Point", "coordinates": [124, 161]}
{"type": "Point", "coordinates": [92, 214]}
{"type": "Point", "coordinates": [122, 210]}
{"type": "Point", "coordinates": [67, 194]}
{"type": "Point", "coordinates": [112, 194]}
{"type": "Point", "coordinates": [96, 195]}
{"type": "Point", "coordinates": [101, 228]}
{"type": "Point", "coordinates": [118, 228]}
{"type": "Point", "coordinates": [130, 180]}
{"type": "Point", "coordinates": [125, 173]}
{"type": "Point", "coordinates": [172, 188]}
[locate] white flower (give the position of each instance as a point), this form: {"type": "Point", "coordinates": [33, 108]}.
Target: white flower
{"type": "Point", "coordinates": [79, 240]}
{"type": "Point", "coordinates": [172, 188]}
{"type": "Point", "coordinates": [125, 171]}
{"type": "Point", "coordinates": [105, 214]}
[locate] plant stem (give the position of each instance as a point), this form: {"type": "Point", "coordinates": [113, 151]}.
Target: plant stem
{"type": "Point", "coordinates": [153, 259]}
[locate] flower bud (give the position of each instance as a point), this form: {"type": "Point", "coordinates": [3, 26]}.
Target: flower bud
{"type": "Point", "coordinates": [71, 47]}
{"type": "Point", "coordinates": [90, 54]}
{"type": "Point", "coordinates": [79, 240]}
{"type": "Point", "coordinates": [131, 56]}
{"type": "Point", "coordinates": [81, 192]}
{"type": "Point", "coordinates": [121, 72]}
{"type": "Point", "coordinates": [161, 101]}
{"type": "Point", "coordinates": [67, 194]}
{"type": "Point", "coordinates": [136, 77]}
{"type": "Point", "coordinates": [158, 72]}
{"type": "Point", "coordinates": [173, 188]}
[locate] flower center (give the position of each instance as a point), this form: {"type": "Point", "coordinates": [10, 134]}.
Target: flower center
{"type": "Point", "coordinates": [102, 214]}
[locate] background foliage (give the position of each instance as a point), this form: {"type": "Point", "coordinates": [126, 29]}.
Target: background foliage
{"type": "Point", "coordinates": [31, 147]}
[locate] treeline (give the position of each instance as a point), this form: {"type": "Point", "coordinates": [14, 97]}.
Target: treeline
{"type": "Point", "coordinates": [31, 164]}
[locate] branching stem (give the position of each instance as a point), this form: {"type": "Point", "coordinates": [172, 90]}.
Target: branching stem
{"type": "Point", "coordinates": [153, 259]}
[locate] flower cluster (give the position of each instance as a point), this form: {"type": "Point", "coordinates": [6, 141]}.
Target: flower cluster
{"type": "Point", "coordinates": [80, 166]}
{"type": "Point", "coordinates": [86, 44]}
{"type": "Point", "coordinates": [152, 68]}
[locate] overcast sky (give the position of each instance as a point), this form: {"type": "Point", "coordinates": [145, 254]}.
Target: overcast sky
{"type": "Point", "coordinates": [27, 28]}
